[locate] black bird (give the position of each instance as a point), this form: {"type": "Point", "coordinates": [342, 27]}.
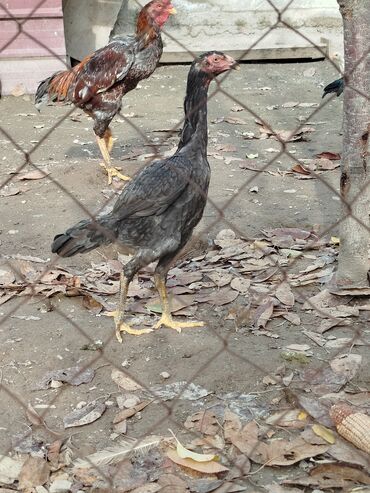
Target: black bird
{"type": "Point", "coordinates": [155, 214]}
{"type": "Point", "coordinates": [337, 87]}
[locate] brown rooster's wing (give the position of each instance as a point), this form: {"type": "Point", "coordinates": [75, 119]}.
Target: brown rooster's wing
{"type": "Point", "coordinates": [154, 189]}
{"type": "Point", "coordinates": [103, 69]}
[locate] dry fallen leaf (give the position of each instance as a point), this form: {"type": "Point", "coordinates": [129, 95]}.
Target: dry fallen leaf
{"type": "Point", "coordinates": [324, 433]}
{"type": "Point", "coordinates": [300, 169]}
{"type": "Point", "coordinates": [185, 453]}
{"type": "Point", "coordinates": [35, 472]}
{"type": "Point", "coordinates": [88, 414]}
{"type": "Point", "coordinates": [330, 476]}
{"type": "Point", "coordinates": [205, 422]}
{"type": "Point", "coordinates": [264, 313]}
{"type": "Point", "coordinates": [240, 284]}
{"type": "Point", "coordinates": [128, 413]}
{"type": "Point", "coordinates": [124, 381]}
{"type": "Point", "coordinates": [33, 417]}
{"type": "Point", "coordinates": [209, 467]}
{"type": "Point", "coordinates": [33, 175]}
{"type": "Point", "coordinates": [10, 468]}
{"type": "Point", "coordinates": [75, 375]}
{"type": "Point", "coordinates": [284, 294]}
{"type": "Point", "coordinates": [347, 365]}
{"type": "Point", "coordinates": [220, 297]}
{"type": "Point", "coordinates": [333, 156]}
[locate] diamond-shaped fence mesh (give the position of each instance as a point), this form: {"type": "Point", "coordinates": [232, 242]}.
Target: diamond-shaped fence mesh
{"type": "Point", "coordinates": [249, 291]}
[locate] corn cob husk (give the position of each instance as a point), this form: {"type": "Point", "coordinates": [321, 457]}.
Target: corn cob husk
{"type": "Point", "coordinates": [352, 425]}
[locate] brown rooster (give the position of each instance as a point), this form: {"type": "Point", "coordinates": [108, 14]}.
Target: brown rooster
{"type": "Point", "coordinates": [98, 83]}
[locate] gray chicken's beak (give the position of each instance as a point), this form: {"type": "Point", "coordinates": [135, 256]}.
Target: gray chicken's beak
{"type": "Point", "coordinates": [236, 66]}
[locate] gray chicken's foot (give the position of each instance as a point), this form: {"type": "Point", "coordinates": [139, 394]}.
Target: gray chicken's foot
{"type": "Point", "coordinates": [125, 327]}
{"type": "Point", "coordinates": [169, 322]}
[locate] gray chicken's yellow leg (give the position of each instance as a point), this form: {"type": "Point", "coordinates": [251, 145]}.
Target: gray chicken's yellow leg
{"type": "Point", "coordinates": [105, 145]}
{"type": "Point", "coordinates": [166, 319]}
{"type": "Point", "coordinates": [119, 314]}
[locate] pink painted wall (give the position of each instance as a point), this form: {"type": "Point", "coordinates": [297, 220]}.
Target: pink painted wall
{"type": "Point", "coordinates": [39, 47]}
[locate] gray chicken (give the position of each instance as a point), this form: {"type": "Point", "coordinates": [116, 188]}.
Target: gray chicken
{"type": "Point", "coordinates": [155, 214]}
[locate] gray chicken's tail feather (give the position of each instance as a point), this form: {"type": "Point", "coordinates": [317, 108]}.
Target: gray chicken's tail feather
{"type": "Point", "coordinates": [337, 87]}
{"type": "Point", "coordinates": [83, 237]}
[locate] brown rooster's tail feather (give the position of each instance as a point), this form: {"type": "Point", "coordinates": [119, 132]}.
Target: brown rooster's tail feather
{"type": "Point", "coordinates": [54, 88]}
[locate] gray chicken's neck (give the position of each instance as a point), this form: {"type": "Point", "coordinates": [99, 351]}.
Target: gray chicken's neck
{"type": "Point", "coordinates": [195, 132]}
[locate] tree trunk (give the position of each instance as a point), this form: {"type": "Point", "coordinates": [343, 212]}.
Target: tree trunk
{"type": "Point", "coordinates": [122, 24]}
{"type": "Point", "coordinates": [353, 262]}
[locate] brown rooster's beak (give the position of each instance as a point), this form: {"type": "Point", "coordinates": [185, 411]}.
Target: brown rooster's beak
{"type": "Point", "coordinates": [172, 11]}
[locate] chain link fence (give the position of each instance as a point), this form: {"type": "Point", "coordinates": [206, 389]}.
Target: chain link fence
{"type": "Point", "coordinates": [259, 306]}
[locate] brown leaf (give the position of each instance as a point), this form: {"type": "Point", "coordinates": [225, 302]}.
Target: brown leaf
{"type": "Point", "coordinates": [209, 467]}
{"type": "Point", "coordinates": [333, 156]}
{"type": "Point", "coordinates": [33, 175]}
{"type": "Point", "coordinates": [218, 298]}
{"type": "Point", "coordinates": [150, 488]}
{"type": "Point", "coordinates": [240, 284]}
{"type": "Point", "coordinates": [203, 421]}
{"type": "Point", "coordinates": [35, 472]}
{"type": "Point", "coordinates": [246, 440]}
{"type": "Point", "coordinates": [233, 120]}
{"type": "Point", "coordinates": [284, 294]}
{"type": "Point", "coordinates": [326, 164]}
{"type": "Point", "coordinates": [124, 381]}
{"type": "Point", "coordinates": [247, 164]}
{"type": "Point", "coordinates": [128, 413]}
{"type": "Point", "coordinates": [332, 476]}
{"type": "Point", "coordinates": [53, 454]}
{"type": "Point", "coordinates": [347, 365]}
{"type": "Point", "coordinates": [33, 417]}
{"type": "Point", "coordinates": [298, 168]}
{"type": "Point", "coordinates": [241, 467]}
{"type": "Point", "coordinates": [166, 481]}
{"type": "Point", "coordinates": [293, 318]}
{"type": "Point", "coordinates": [286, 453]}
{"type": "Point", "coordinates": [220, 277]}
{"type": "Point", "coordinates": [232, 425]}
{"type": "Point", "coordinates": [264, 313]}
{"type": "Point", "coordinates": [345, 452]}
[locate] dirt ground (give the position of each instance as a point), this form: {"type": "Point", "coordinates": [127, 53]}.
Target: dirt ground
{"type": "Point", "coordinates": [29, 221]}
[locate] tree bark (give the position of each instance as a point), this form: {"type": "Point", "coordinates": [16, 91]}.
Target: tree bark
{"type": "Point", "coordinates": [353, 262]}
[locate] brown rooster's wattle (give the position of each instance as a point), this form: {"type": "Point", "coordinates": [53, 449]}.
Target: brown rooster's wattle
{"type": "Point", "coordinates": [98, 83]}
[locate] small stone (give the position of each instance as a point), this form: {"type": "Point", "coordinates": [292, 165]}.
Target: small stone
{"type": "Point", "coordinates": [165, 375]}
{"type": "Point", "coordinates": [131, 402]}
{"type": "Point", "coordinates": [55, 384]}
{"type": "Point", "coordinates": [81, 404]}
{"type": "Point", "coordinates": [60, 486]}
{"type": "Point", "coordinates": [109, 403]}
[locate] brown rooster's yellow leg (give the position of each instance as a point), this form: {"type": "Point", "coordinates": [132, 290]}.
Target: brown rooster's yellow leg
{"type": "Point", "coordinates": [166, 318]}
{"type": "Point", "coordinates": [105, 145]}
{"type": "Point", "coordinates": [119, 314]}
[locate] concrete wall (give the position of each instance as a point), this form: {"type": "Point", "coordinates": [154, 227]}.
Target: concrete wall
{"type": "Point", "coordinates": [200, 25]}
